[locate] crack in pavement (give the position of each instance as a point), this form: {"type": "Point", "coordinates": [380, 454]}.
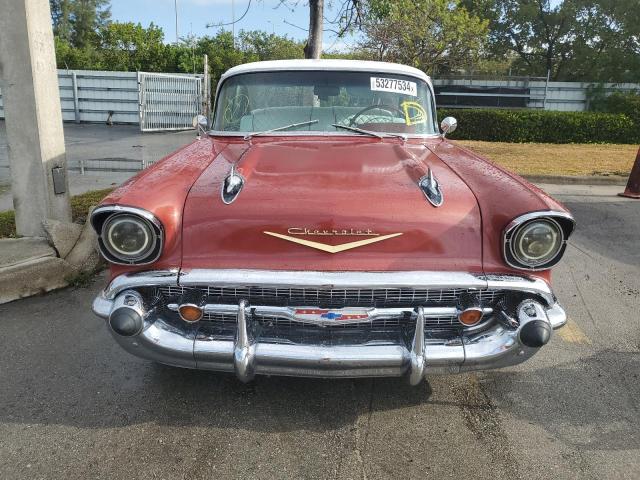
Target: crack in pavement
{"type": "Point", "coordinates": [482, 418]}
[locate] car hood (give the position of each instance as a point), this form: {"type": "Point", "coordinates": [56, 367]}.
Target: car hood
{"type": "Point", "coordinates": [357, 197]}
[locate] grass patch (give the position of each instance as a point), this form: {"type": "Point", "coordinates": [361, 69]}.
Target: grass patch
{"type": "Point", "coordinates": [552, 159]}
{"type": "Point", "coordinates": [7, 224]}
{"type": "Point", "coordinates": [79, 208]}
{"type": "Point", "coordinates": [80, 203]}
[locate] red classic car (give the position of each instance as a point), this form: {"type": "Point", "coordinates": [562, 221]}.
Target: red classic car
{"type": "Point", "coordinates": [323, 226]}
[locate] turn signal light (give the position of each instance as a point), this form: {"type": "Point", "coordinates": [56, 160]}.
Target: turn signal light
{"type": "Point", "coordinates": [190, 312]}
{"type": "Point", "coordinates": [470, 316]}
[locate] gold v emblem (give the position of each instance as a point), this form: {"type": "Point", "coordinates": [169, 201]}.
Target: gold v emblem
{"type": "Point", "coordinates": [333, 248]}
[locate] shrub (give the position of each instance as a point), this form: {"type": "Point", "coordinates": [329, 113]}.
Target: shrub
{"type": "Point", "coordinates": [619, 102]}
{"type": "Point", "coordinates": [540, 126]}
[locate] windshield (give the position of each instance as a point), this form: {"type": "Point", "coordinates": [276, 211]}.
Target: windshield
{"type": "Point", "coordinates": [317, 101]}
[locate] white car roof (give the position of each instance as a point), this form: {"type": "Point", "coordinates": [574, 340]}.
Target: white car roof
{"type": "Point", "coordinates": [329, 64]}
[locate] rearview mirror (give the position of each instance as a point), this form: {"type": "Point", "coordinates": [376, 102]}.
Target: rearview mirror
{"type": "Point", "coordinates": [448, 125]}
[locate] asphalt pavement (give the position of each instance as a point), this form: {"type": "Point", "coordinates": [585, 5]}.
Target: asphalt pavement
{"type": "Point", "coordinates": [73, 405]}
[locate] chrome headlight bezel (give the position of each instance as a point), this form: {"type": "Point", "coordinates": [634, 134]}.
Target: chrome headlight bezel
{"type": "Point", "coordinates": [103, 217]}
{"type": "Point", "coordinates": [561, 221]}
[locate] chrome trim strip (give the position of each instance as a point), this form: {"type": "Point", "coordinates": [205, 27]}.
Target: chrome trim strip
{"type": "Point", "coordinates": [150, 278]}
{"type": "Point", "coordinates": [532, 215]}
{"type": "Point", "coordinates": [508, 232]}
{"type": "Point", "coordinates": [126, 209]}
{"type": "Point", "coordinates": [534, 286]}
{"type": "Point", "coordinates": [134, 211]}
{"type": "Point", "coordinates": [292, 279]}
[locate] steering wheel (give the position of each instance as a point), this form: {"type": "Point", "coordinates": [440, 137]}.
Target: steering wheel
{"type": "Point", "coordinates": [387, 108]}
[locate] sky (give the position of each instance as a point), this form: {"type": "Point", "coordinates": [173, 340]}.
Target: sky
{"type": "Point", "coordinates": [194, 15]}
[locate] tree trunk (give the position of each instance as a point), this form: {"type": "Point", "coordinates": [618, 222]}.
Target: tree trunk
{"type": "Point", "coordinates": [313, 48]}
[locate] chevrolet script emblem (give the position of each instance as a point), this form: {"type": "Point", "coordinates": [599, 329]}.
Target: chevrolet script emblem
{"type": "Point", "coordinates": [334, 233]}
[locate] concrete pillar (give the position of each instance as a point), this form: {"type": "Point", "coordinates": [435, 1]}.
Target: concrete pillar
{"type": "Point", "coordinates": [29, 83]}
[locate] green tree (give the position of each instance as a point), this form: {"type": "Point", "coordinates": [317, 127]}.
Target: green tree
{"type": "Point", "coordinates": [438, 36]}
{"type": "Point", "coordinates": [129, 47]}
{"type": "Point", "coordinates": [594, 40]}
{"type": "Point", "coordinates": [265, 46]}
{"type": "Point", "coordinates": [78, 21]}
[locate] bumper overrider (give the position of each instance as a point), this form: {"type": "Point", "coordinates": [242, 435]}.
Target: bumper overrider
{"type": "Point", "coordinates": [404, 323]}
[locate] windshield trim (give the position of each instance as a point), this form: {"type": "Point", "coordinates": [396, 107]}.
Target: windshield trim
{"type": "Point", "coordinates": [224, 79]}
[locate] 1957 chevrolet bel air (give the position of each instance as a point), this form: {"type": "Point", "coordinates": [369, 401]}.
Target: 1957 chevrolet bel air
{"type": "Point", "coordinates": [323, 226]}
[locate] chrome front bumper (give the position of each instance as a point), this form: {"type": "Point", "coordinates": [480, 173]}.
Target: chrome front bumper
{"type": "Point", "coordinates": [498, 345]}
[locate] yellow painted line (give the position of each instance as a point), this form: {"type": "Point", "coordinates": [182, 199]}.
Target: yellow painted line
{"type": "Point", "coordinates": [572, 333]}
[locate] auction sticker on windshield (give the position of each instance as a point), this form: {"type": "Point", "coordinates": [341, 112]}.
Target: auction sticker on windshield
{"type": "Point", "coordinates": [394, 85]}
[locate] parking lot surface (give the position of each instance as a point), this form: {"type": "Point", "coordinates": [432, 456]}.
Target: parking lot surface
{"type": "Point", "coordinates": [73, 405]}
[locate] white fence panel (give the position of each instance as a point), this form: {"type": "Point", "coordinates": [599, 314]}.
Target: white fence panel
{"type": "Point", "coordinates": [101, 96]}
{"type": "Point", "coordinates": [169, 102]}
{"type": "Point", "coordinates": [562, 96]}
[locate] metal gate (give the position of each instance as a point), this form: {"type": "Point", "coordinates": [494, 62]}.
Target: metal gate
{"type": "Point", "coordinates": [169, 101]}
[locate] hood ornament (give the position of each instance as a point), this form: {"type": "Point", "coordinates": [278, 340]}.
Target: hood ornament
{"type": "Point", "coordinates": [431, 189]}
{"type": "Point", "coordinates": [232, 186]}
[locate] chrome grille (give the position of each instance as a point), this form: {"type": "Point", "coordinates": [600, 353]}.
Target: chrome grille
{"type": "Point", "coordinates": [330, 297]}
{"type": "Point", "coordinates": [279, 329]}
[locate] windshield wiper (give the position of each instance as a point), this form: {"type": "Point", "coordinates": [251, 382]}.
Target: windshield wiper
{"type": "Point", "coordinates": [369, 132]}
{"type": "Point", "coordinates": [301, 124]}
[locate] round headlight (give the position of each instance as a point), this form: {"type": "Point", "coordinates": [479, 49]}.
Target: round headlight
{"type": "Point", "coordinates": [128, 237]}
{"type": "Point", "coordinates": [537, 242]}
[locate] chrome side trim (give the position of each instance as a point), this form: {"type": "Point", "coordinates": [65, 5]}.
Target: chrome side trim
{"type": "Point", "coordinates": [508, 232]}
{"type": "Point", "coordinates": [146, 215]}
{"type": "Point", "coordinates": [150, 278]}
{"type": "Point", "coordinates": [534, 286]}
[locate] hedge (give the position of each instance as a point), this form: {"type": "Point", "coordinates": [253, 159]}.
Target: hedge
{"type": "Point", "coordinates": [540, 126]}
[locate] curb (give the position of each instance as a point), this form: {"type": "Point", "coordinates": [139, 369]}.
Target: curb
{"type": "Point", "coordinates": [33, 265]}
{"type": "Point", "coordinates": [577, 180]}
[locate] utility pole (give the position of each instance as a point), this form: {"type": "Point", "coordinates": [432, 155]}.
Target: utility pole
{"type": "Point", "coordinates": [313, 48]}
{"type": "Point", "coordinates": [29, 82]}
{"type": "Point", "coordinates": [175, 8]}
{"type": "Point", "coordinates": [206, 110]}
{"type": "Point", "coordinates": [233, 22]}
